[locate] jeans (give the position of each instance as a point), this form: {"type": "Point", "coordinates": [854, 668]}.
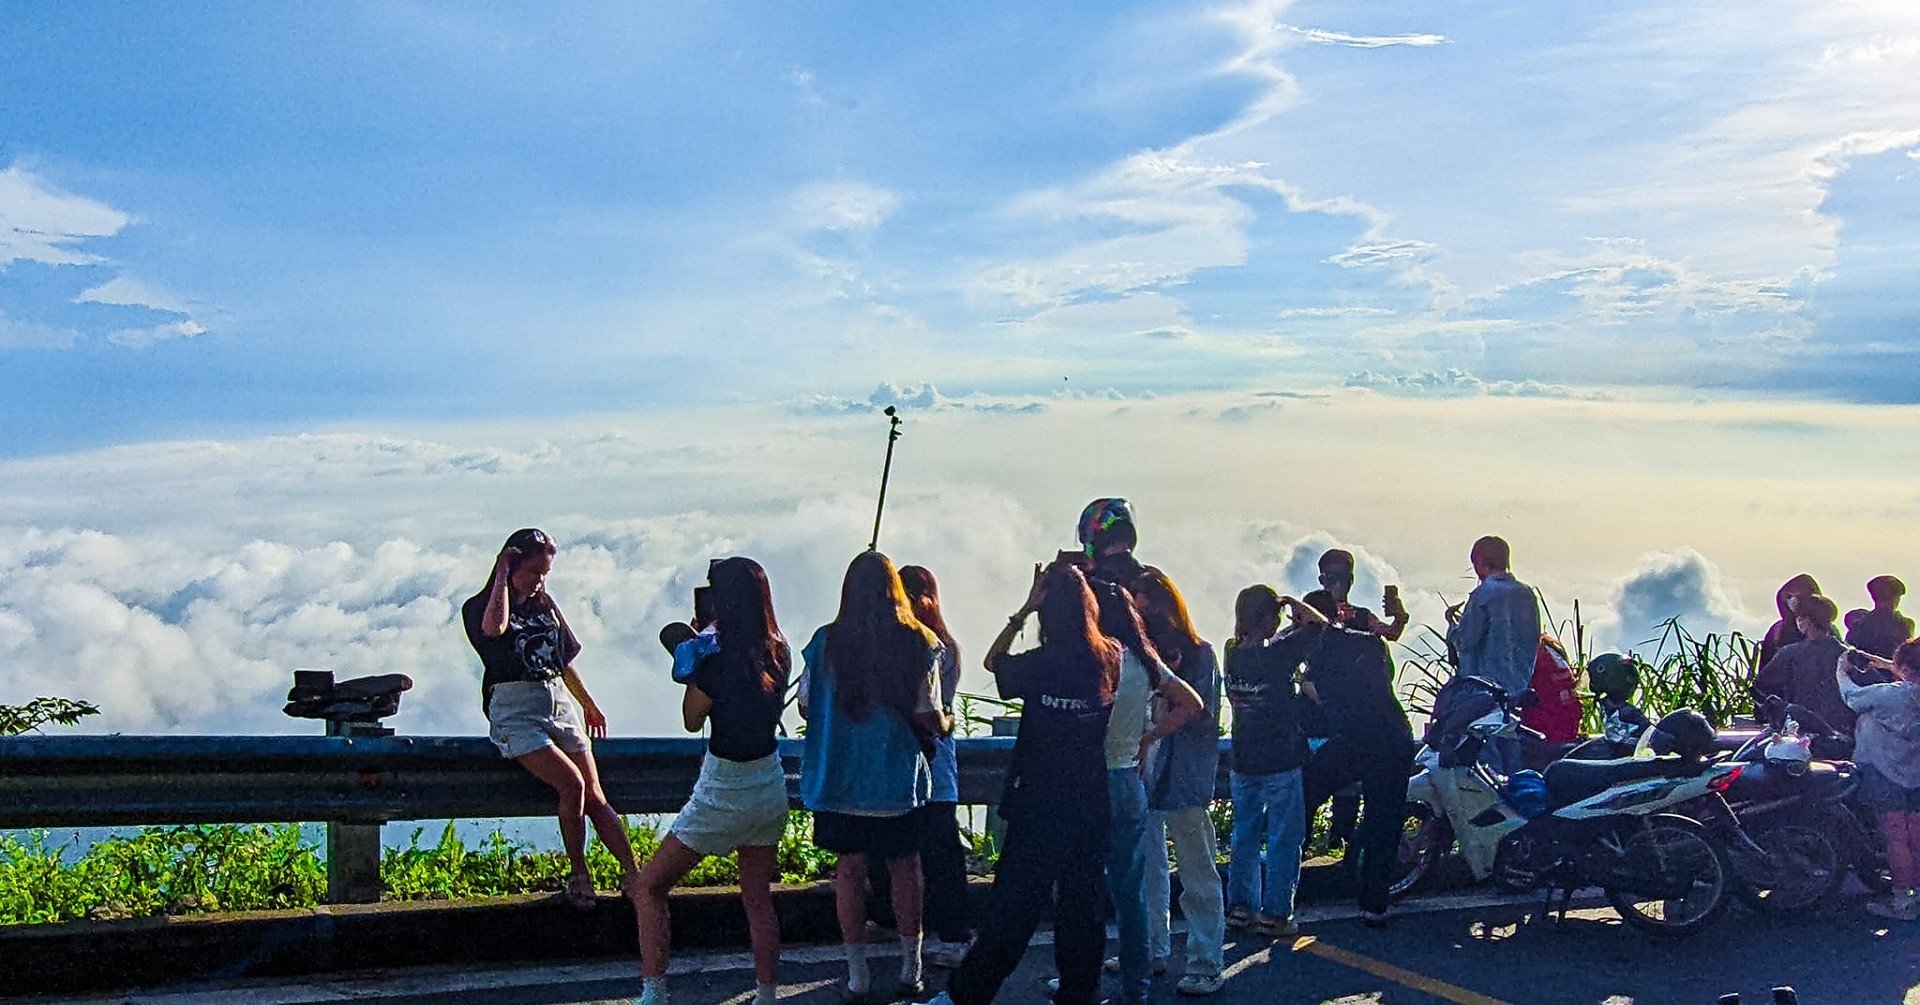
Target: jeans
{"type": "Point", "coordinates": [1268, 809]}
{"type": "Point", "coordinates": [1381, 765]}
{"type": "Point", "coordinates": [1191, 831]}
{"type": "Point", "coordinates": [1126, 878]}
{"type": "Point", "coordinates": [1049, 860]}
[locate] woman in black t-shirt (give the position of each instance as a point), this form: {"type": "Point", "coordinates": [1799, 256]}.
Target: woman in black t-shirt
{"type": "Point", "coordinates": [740, 801]}
{"type": "Point", "coordinates": [533, 700]}
{"type": "Point", "coordinates": [1055, 802]}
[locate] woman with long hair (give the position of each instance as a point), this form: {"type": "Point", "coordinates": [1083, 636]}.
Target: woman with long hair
{"type": "Point", "coordinates": [739, 803]}
{"type": "Point", "coordinates": [1132, 730]}
{"type": "Point", "coordinates": [873, 707]}
{"type": "Point", "coordinates": [1182, 772]}
{"type": "Point", "coordinates": [1055, 801]}
{"type": "Point", "coordinates": [534, 700]}
{"type": "Point", "coordinates": [943, 855]}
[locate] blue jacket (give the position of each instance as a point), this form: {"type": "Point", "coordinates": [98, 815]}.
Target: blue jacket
{"type": "Point", "coordinates": [1499, 632]}
{"type": "Point", "coordinates": [1182, 768]}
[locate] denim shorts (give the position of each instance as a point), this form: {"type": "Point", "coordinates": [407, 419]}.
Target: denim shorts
{"type": "Point", "coordinates": [525, 715]}
{"type": "Point", "coordinates": [1879, 792]}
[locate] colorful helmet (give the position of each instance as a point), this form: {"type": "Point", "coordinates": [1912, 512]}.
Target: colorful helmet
{"type": "Point", "coordinates": [1612, 675]}
{"type": "Point", "coordinates": [1099, 518]}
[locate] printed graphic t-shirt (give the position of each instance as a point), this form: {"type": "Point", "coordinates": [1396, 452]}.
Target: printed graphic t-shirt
{"type": "Point", "coordinates": [1059, 760]}
{"type": "Point", "coordinates": [536, 646]}
{"type": "Point", "coordinates": [1267, 735]}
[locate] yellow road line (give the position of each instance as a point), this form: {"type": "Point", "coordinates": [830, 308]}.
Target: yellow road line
{"type": "Point", "coordinates": [1387, 971]}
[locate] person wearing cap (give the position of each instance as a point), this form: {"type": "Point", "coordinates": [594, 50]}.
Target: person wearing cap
{"type": "Point", "coordinates": [538, 711]}
{"type": "Point", "coordinates": [1883, 629]}
{"type": "Point", "coordinates": [1801, 673]}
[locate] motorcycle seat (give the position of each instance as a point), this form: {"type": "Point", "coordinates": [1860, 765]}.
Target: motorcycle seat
{"type": "Point", "coordinates": [1569, 782]}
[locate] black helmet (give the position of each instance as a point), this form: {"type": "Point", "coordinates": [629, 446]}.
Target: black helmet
{"type": "Point", "coordinates": [1686, 732]}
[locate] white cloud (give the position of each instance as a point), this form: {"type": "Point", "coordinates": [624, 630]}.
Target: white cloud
{"type": "Point", "coordinates": [851, 207]}
{"type": "Point", "coordinates": [917, 398]}
{"type": "Point", "coordinates": [1684, 585]}
{"type": "Point", "coordinates": [39, 223]}
{"type": "Point", "coordinates": [1322, 37]}
{"type": "Point", "coordinates": [128, 292]}
{"type": "Point", "coordinates": [1455, 382]}
{"type": "Point", "coordinates": [16, 334]}
{"type": "Point", "coordinates": [1336, 312]}
{"type": "Point", "coordinates": [141, 338]}
{"type": "Point", "coordinates": [1363, 256]}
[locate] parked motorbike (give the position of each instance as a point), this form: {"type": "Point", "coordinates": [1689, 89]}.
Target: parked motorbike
{"type": "Point", "coordinates": [1614, 824]}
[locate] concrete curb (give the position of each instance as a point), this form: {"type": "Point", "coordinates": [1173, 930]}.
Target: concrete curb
{"type": "Point", "coordinates": [210, 950]}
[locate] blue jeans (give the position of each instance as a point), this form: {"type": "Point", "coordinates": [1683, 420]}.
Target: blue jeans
{"type": "Point", "coordinates": [1127, 878]}
{"type": "Point", "coordinates": [1270, 809]}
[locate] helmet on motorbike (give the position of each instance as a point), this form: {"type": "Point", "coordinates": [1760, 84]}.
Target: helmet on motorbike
{"type": "Point", "coordinates": [1612, 675]}
{"type": "Point", "coordinates": [1686, 732]}
{"type": "Point", "coordinates": [1794, 753]}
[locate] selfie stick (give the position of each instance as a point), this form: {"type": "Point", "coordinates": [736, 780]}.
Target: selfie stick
{"type": "Point", "coordinates": [893, 433]}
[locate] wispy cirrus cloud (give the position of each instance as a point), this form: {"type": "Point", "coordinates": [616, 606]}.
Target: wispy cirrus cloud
{"type": "Point", "coordinates": [1320, 36]}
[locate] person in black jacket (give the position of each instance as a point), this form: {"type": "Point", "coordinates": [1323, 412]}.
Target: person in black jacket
{"type": "Point", "coordinates": [1370, 741]}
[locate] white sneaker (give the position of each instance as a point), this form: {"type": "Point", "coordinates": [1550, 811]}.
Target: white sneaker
{"type": "Point", "coordinates": [1196, 985]}
{"type": "Point", "coordinates": [942, 953]}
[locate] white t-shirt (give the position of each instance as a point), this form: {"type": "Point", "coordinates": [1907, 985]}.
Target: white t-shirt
{"type": "Point", "coordinates": [1130, 705]}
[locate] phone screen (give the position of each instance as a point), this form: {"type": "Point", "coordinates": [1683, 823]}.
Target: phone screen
{"type": "Point", "coordinates": [702, 606]}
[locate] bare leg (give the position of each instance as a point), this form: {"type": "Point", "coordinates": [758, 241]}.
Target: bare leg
{"type": "Point", "coordinates": [757, 871]}
{"type": "Point", "coordinates": [1913, 846]}
{"type": "Point", "coordinates": [606, 822]}
{"type": "Point", "coordinates": [850, 898]}
{"type": "Point", "coordinates": [663, 871]}
{"type": "Point", "coordinates": [552, 767]}
{"type": "Point", "coordinates": [903, 875]}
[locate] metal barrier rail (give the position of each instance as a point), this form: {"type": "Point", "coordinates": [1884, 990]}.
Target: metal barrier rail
{"type": "Point", "coordinates": [60, 781]}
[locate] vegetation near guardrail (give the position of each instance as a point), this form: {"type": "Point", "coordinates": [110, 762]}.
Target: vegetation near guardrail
{"type": "Point", "coordinates": [232, 867]}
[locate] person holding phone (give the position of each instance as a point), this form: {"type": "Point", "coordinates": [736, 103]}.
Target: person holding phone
{"type": "Point", "coordinates": [1055, 801]}
{"type": "Point", "coordinates": [538, 711]}
{"type": "Point", "coordinates": [739, 802]}
{"type": "Point", "coordinates": [1336, 584]}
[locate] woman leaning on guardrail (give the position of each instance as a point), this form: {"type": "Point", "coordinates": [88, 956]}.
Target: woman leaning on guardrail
{"type": "Point", "coordinates": [534, 701]}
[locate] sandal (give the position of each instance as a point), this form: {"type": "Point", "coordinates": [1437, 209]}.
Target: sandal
{"type": "Point", "coordinates": [580, 894]}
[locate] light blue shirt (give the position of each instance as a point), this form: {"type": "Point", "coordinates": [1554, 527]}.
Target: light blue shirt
{"type": "Point", "coordinates": [1499, 632]}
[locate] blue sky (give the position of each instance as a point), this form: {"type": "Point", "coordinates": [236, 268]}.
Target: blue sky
{"type": "Point", "coordinates": [433, 210]}
{"type": "Point", "coordinates": [302, 308]}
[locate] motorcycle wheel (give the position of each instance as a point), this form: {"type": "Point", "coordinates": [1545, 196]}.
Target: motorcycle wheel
{"type": "Point", "coordinates": [1423, 840]}
{"type": "Point", "coordinates": [1671, 852]}
{"type": "Point", "coordinates": [1803, 868]}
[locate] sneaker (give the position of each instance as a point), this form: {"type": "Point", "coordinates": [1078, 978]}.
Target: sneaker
{"type": "Point", "coordinates": [940, 999]}
{"type": "Point", "coordinates": [942, 953]}
{"type": "Point", "coordinates": [1275, 928]}
{"type": "Point", "coordinates": [1196, 985]}
{"type": "Point", "coordinates": [1239, 917]}
{"type": "Point", "coordinates": [1895, 908]}
{"type": "Point", "coordinates": [1373, 919]}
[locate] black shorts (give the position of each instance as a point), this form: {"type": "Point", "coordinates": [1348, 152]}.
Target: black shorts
{"type": "Point", "coordinates": [886, 837]}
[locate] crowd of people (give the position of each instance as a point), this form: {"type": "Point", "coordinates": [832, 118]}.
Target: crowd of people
{"type": "Point", "coordinates": [1116, 755]}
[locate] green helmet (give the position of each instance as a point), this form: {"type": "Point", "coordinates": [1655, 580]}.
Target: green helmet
{"type": "Point", "coordinates": [1612, 675]}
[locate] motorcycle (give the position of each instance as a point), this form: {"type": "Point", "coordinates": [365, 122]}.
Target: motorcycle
{"type": "Point", "coordinates": [1788, 802]}
{"type": "Point", "coordinates": [1612, 824]}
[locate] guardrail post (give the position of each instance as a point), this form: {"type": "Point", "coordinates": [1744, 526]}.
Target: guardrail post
{"type": "Point", "coordinates": [1003, 725]}
{"type": "Point", "coordinates": [353, 849]}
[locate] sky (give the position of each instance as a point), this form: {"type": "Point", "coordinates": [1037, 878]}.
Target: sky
{"type": "Point", "coordinates": [303, 310]}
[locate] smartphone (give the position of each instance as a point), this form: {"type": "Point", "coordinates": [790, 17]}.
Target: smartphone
{"type": "Point", "coordinates": [1391, 598]}
{"type": "Point", "coordinates": [702, 607]}
{"type": "Point", "coordinates": [1077, 559]}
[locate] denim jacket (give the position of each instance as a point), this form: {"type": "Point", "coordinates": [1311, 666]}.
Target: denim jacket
{"type": "Point", "coordinates": [1183, 767]}
{"type": "Point", "coordinates": [1498, 632]}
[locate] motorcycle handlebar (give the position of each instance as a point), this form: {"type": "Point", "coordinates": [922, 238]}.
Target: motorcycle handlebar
{"type": "Point", "coordinates": [1530, 733]}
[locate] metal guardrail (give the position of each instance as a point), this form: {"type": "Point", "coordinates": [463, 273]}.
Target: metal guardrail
{"type": "Point", "coordinates": [119, 780]}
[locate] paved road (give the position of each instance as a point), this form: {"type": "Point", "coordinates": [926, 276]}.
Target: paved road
{"type": "Point", "coordinates": [1476, 950]}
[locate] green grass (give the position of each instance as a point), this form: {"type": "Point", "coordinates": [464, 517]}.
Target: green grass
{"type": "Point", "coordinates": [227, 867]}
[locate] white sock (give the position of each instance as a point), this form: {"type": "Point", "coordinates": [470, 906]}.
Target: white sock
{"type": "Point", "coordinates": [765, 994]}
{"type": "Point", "coordinates": [653, 991]}
{"type": "Point", "coordinates": [858, 980]}
{"type": "Point", "coordinates": [910, 966]}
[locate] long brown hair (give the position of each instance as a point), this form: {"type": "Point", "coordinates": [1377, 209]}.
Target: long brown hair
{"type": "Point", "coordinates": [923, 592]}
{"type": "Point", "coordinates": [1164, 612]}
{"type": "Point", "coordinates": [750, 640]}
{"type": "Point", "coordinates": [877, 650]}
{"type": "Point", "coordinates": [1120, 621]}
{"type": "Point", "coordinates": [1070, 622]}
